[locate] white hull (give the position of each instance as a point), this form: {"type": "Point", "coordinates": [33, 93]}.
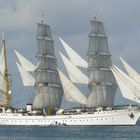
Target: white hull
{"type": "Point", "coordinates": [113, 117]}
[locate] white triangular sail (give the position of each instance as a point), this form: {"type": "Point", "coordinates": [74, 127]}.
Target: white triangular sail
{"type": "Point", "coordinates": [75, 74]}
{"type": "Point", "coordinates": [131, 83]}
{"type": "Point", "coordinates": [72, 94]}
{"type": "Point", "coordinates": [76, 59]}
{"type": "Point", "coordinates": [125, 88]}
{"type": "Point", "coordinates": [132, 73]}
{"type": "Point", "coordinates": [2, 78]}
{"type": "Point", "coordinates": [27, 78]}
{"type": "Point", "coordinates": [26, 64]}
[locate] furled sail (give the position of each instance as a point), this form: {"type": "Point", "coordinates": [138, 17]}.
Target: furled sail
{"type": "Point", "coordinates": [27, 78]}
{"type": "Point", "coordinates": [72, 94]}
{"type": "Point", "coordinates": [75, 74]}
{"type": "Point", "coordinates": [26, 64]}
{"type": "Point", "coordinates": [75, 58]}
{"type": "Point", "coordinates": [125, 87]}
{"type": "Point", "coordinates": [131, 72]}
{"type": "Point", "coordinates": [102, 84]}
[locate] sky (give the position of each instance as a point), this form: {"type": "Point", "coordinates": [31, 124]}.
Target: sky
{"type": "Point", "coordinates": [69, 19]}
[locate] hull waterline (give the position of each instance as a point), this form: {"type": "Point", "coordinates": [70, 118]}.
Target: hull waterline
{"type": "Point", "coordinates": [113, 117]}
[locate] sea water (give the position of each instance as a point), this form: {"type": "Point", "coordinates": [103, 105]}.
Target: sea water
{"type": "Point", "coordinates": [70, 133]}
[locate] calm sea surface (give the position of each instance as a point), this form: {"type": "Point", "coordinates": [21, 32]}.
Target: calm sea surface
{"type": "Point", "coordinates": [71, 133]}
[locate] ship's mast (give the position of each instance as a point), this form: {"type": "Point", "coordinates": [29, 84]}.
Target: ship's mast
{"type": "Point", "coordinates": [48, 87]}
{"type": "Point", "coordinates": [102, 85]}
{"type": "Point", "coordinates": [6, 75]}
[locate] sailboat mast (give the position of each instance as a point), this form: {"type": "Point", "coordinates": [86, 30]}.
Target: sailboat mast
{"type": "Point", "coordinates": [6, 75]}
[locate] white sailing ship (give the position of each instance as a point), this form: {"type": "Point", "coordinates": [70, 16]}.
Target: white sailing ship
{"type": "Point", "coordinates": [97, 108]}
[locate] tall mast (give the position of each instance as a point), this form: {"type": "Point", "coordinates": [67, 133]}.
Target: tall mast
{"type": "Point", "coordinates": [48, 87]}
{"type": "Point", "coordinates": [102, 85]}
{"type": "Point", "coordinates": [6, 75]}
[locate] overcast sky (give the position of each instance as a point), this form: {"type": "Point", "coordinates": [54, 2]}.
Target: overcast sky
{"type": "Point", "coordinates": [69, 19]}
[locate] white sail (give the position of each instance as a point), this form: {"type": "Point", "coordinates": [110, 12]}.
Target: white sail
{"type": "Point", "coordinates": [135, 87]}
{"type": "Point", "coordinates": [26, 64]}
{"type": "Point", "coordinates": [132, 73]}
{"type": "Point", "coordinates": [2, 90]}
{"type": "Point", "coordinates": [126, 90]}
{"type": "Point", "coordinates": [2, 78]}
{"type": "Point", "coordinates": [72, 94]}
{"type": "Point", "coordinates": [75, 74]}
{"type": "Point", "coordinates": [2, 61]}
{"type": "Point", "coordinates": [2, 83]}
{"type": "Point", "coordinates": [27, 78]}
{"type": "Point", "coordinates": [76, 59]}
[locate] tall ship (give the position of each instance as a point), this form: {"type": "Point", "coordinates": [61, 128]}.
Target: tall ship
{"type": "Point", "coordinates": [51, 84]}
